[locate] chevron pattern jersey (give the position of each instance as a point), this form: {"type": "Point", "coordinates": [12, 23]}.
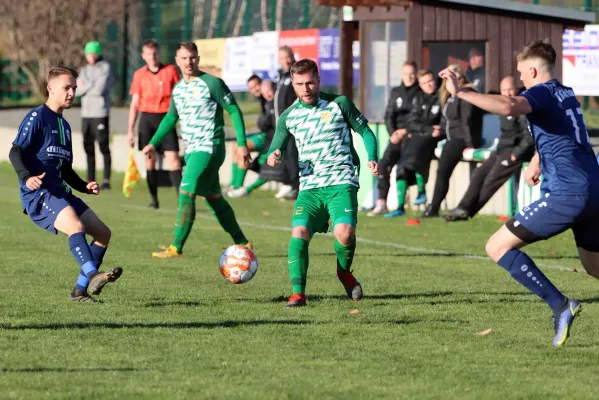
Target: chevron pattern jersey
{"type": "Point", "coordinates": [322, 133]}
{"type": "Point", "coordinates": [199, 107]}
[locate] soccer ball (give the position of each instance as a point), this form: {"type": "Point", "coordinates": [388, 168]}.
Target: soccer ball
{"type": "Point", "coordinates": [238, 264]}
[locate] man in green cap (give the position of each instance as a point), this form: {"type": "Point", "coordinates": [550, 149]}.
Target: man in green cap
{"type": "Point", "coordinates": [94, 85]}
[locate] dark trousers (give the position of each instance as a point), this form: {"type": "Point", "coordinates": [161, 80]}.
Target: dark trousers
{"type": "Point", "coordinates": [96, 129]}
{"type": "Point", "coordinates": [391, 156]}
{"type": "Point", "coordinates": [487, 179]}
{"type": "Point", "coordinates": [291, 162]}
{"type": "Point", "coordinates": [450, 157]}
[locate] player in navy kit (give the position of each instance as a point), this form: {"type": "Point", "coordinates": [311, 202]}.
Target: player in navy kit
{"type": "Point", "coordinates": [42, 157]}
{"type": "Point", "coordinates": [570, 188]}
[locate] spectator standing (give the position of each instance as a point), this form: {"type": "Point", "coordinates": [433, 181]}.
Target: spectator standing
{"type": "Point", "coordinates": [284, 97]}
{"type": "Point", "coordinates": [476, 70]}
{"type": "Point", "coordinates": [93, 86]}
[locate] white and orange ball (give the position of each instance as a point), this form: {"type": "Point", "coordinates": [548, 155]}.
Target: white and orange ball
{"type": "Point", "coordinates": [238, 264]}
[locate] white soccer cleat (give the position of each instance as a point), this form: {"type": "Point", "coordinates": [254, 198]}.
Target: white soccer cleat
{"type": "Point", "coordinates": [378, 210]}
{"type": "Point", "coordinates": [235, 193]}
{"type": "Point", "coordinates": [284, 190]}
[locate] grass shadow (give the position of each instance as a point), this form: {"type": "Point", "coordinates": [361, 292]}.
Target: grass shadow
{"type": "Point", "coordinates": [171, 325]}
{"type": "Point", "coordinates": [63, 370]}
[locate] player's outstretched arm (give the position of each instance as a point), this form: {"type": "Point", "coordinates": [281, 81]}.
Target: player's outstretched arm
{"type": "Point", "coordinates": [359, 124]}
{"type": "Point", "coordinates": [166, 126]}
{"type": "Point", "coordinates": [74, 180]}
{"type": "Point", "coordinates": [495, 104]}
{"type": "Point", "coordinates": [279, 142]}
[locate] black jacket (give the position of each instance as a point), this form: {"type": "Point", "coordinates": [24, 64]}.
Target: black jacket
{"type": "Point", "coordinates": [418, 152]}
{"type": "Point", "coordinates": [516, 138]}
{"type": "Point", "coordinates": [426, 112]}
{"type": "Point", "coordinates": [266, 121]}
{"type": "Point", "coordinates": [462, 120]}
{"type": "Point", "coordinates": [399, 106]}
{"type": "Point", "coordinates": [477, 78]}
{"type": "Point", "coordinates": [284, 95]}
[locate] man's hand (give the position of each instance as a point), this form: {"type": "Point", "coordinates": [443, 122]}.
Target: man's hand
{"type": "Point", "coordinates": [532, 174]}
{"type": "Point", "coordinates": [398, 135]}
{"type": "Point", "coordinates": [513, 158]}
{"type": "Point", "coordinates": [131, 138]}
{"type": "Point", "coordinates": [451, 80]}
{"type": "Point", "coordinates": [34, 182]}
{"type": "Point", "coordinates": [243, 157]}
{"type": "Point", "coordinates": [80, 83]}
{"type": "Point", "coordinates": [436, 131]}
{"type": "Point", "coordinates": [274, 158]}
{"type": "Point", "coordinates": [374, 167]}
{"type": "Point", "coordinates": [149, 151]}
{"type": "Point", "coordinates": [93, 188]}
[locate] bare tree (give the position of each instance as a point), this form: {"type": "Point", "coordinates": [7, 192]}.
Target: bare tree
{"type": "Point", "coordinates": [240, 15]}
{"type": "Point", "coordinates": [230, 15]}
{"type": "Point", "coordinates": [37, 34]}
{"type": "Point", "coordinates": [333, 18]}
{"type": "Point", "coordinates": [198, 18]}
{"type": "Point", "coordinates": [279, 15]}
{"type": "Point", "coordinates": [213, 17]}
{"type": "Point", "coordinates": [264, 14]}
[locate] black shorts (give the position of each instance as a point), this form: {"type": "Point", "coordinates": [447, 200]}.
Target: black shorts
{"type": "Point", "coordinates": [148, 125]}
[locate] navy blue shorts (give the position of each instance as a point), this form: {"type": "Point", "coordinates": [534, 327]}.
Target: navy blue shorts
{"type": "Point", "coordinates": [551, 215]}
{"type": "Point", "coordinates": [46, 206]}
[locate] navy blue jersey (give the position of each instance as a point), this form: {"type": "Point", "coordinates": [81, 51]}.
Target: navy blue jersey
{"type": "Point", "coordinates": [45, 138]}
{"type": "Point", "coordinates": [568, 163]}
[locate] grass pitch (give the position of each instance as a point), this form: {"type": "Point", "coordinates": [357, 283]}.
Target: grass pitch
{"type": "Point", "coordinates": [171, 329]}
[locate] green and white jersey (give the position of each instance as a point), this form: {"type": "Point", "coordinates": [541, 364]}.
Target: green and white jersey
{"type": "Point", "coordinates": [322, 133]}
{"type": "Point", "coordinates": [199, 106]}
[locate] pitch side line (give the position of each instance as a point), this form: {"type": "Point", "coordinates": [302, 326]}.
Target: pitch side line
{"type": "Point", "coordinates": [358, 238]}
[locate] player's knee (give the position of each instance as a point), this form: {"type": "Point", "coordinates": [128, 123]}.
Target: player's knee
{"type": "Point", "coordinates": [344, 233]}
{"type": "Point", "coordinates": [209, 197]}
{"type": "Point", "coordinates": [495, 249]}
{"type": "Point", "coordinates": [173, 160]}
{"type": "Point", "coordinates": [300, 232]}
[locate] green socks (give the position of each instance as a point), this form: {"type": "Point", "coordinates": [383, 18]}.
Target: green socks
{"type": "Point", "coordinates": [298, 264]}
{"type": "Point", "coordinates": [238, 176]}
{"type": "Point", "coordinates": [420, 183]}
{"type": "Point", "coordinates": [185, 217]}
{"type": "Point", "coordinates": [402, 187]}
{"type": "Point", "coordinates": [226, 217]}
{"type": "Point", "coordinates": [259, 182]}
{"type": "Point", "coordinates": [345, 255]}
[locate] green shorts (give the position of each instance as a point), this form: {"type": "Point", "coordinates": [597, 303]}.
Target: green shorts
{"type": "Point", "coordinates": [200, 176]}
{"type": "Point", "coordinates": [314, 207]}
{"type": "Point", "coordinates": [259, 140]}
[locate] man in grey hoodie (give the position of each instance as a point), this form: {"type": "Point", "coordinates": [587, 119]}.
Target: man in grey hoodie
{"type": "Point", "coordinates": [94, 85]}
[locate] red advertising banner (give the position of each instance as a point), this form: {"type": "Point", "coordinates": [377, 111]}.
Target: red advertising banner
{"type": "Point", "coordinates": [303, 42]}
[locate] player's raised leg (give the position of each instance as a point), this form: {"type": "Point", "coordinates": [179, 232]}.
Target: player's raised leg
{"type": "Point", "coordinates": [69, 223]}
{"type": "Point", "coordinates": [503, 247]}
{"type": "Point", "coordinates": [342, 203]}
{"type": "Point", "coordinates": [100, 234]}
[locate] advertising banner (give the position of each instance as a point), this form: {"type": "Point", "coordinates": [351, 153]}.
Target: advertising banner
{"type": "Point", "coordinates": [212, 55]}
{"type": "Point", "coordinates": [328, 57]}
{"type": "Point", "coordinates": [303, 42]}
{"type": "Point", "coordinates": [264, 61]}
{"type": "Point", "coordinates": [580, 60]}
{"type": "Point", "coordinates": [237, 62]}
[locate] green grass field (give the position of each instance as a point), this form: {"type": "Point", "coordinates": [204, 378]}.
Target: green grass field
{"type": "Point", "coordinates": [171, 329]}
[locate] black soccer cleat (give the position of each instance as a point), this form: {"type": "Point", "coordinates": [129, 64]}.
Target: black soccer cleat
{"type": "Point", "coordinates": [81, 296]}
{"type": "Point", "coordinates": [97, 282]}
